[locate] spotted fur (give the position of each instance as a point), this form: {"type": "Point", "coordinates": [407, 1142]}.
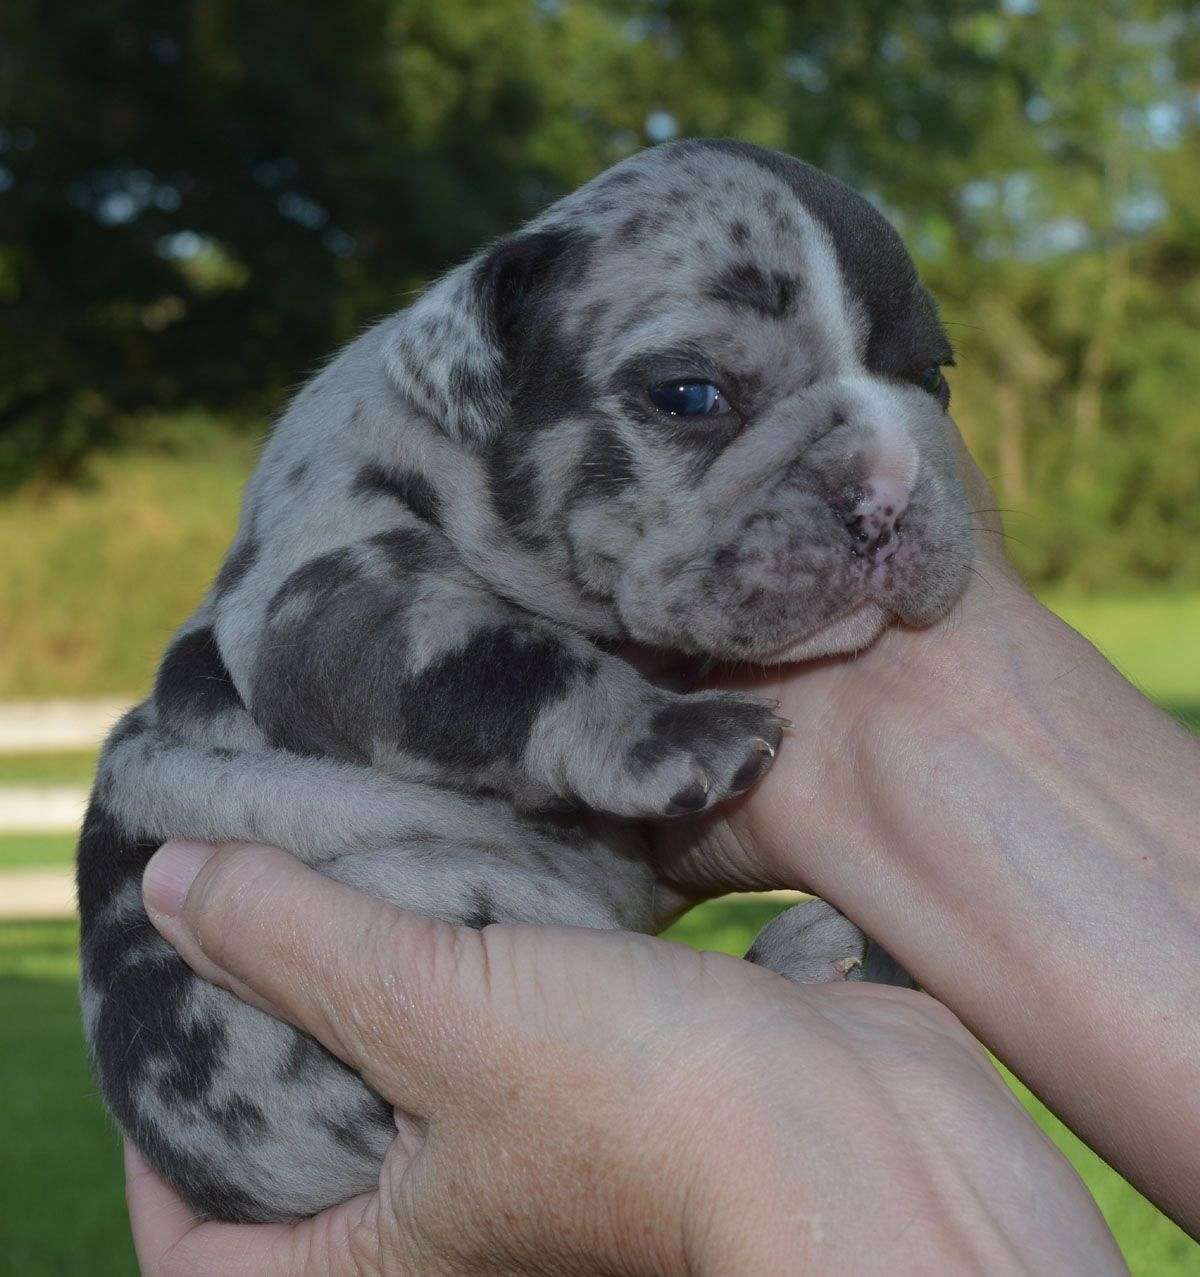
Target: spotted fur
{"type": "Point", "coordinates": [405, 671]}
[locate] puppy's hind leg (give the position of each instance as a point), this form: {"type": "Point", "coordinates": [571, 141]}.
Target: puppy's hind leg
{"type": "Point", "coordinates": [811, 943]}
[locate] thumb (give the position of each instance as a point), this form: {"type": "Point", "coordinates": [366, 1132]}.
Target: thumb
{"type": "Point", "coordinates": [390, 993]}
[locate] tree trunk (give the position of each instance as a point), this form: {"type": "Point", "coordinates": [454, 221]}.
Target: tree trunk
{"type": "Point", "coordinates": [1093, 368]}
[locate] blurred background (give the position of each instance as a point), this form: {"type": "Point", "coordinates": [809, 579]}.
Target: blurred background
{"type": "Point", "coordinates": [199, 200]}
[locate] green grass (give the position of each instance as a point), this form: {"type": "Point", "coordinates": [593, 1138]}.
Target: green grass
{"type": "Point", "coordinates": [107, 569]}
{"type": "Point", "coordinates": [60, 1175]}
{"type": "Point", "coordinates": [36, 851]}
{"type": "Point", "coordinates": [75, 768]}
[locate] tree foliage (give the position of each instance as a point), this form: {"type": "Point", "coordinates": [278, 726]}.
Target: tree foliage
{"type": "Point", "coordinates": [200, 199]}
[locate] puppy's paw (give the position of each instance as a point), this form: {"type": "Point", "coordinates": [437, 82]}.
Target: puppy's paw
{"type": "Point", "coordinates": [812, 943]}
{"type": "Point", "coordinates": [692, 752]}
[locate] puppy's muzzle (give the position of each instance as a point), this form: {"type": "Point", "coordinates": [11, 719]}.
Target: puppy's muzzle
{"type": "Point", "coordinates": [871, 516]}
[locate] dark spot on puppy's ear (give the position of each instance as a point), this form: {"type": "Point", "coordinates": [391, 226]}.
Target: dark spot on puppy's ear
{"type": "Point", "coordinates": [297, 473]}
{"type": "Point", "coordinates": [515, 276]}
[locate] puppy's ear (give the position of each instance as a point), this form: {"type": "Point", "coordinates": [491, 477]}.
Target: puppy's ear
{"type": "Point", "coordinates": [457, 350]}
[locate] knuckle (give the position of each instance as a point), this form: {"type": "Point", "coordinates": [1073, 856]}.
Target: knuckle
{"type": "Point", "coordinates": [411, 965]}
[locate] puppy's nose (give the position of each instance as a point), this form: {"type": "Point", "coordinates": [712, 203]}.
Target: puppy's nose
{"type": "Point", "coordinates": [872, 515]}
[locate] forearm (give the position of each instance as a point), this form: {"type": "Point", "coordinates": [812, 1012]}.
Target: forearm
{"type": "Point", "coordinates": [1026, 845]}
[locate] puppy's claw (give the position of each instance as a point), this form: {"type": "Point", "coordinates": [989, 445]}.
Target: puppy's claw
{"type": "Point", "coordinates": [763, 747]}
{"type": "Point", "coordinates": [692, 797]}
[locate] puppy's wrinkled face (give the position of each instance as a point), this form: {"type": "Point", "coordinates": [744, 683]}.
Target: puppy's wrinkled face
{"type": "Point", "coordinates": [723, 407]}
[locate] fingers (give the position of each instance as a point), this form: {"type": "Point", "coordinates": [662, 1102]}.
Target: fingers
{"type": "Point", "coordinates": [159, 1219]}
{"type": "Point", "coordinates": [388, 992]}
{"type": "Point", "coordinates": [168, 1238]}
{"type": "Point", "coordinates": [171, 1242]}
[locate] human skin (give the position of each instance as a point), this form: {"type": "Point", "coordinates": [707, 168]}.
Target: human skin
{"type": "Point", "coordinates": [603, 1102]}
{"type": "Point", "coordinates": [1017, 824]}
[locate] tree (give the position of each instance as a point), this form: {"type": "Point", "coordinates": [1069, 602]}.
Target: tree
{"type": "Point", "coordinates": [199, 200]}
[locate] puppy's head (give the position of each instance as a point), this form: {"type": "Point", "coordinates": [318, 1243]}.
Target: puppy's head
{"type": "Point", "coordinates": [707, 386]}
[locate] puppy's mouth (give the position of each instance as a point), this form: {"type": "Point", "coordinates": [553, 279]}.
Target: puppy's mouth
{"type": "Point", "coordinates": [853, 632]}
{"type": "Point", "coordinates": [807, 601]}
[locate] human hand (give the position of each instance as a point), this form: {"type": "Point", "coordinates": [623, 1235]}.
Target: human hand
{"type": "Point", "coordinates": [585, 1101]}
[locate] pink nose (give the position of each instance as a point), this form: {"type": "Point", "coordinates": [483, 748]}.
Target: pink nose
{"type": "Point", "coordinates": [873, 518]}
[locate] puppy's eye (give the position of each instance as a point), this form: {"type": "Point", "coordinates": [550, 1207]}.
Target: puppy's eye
{"type": "Point", "coordinates": [931, 379]}
{"type": "Point", "coordinates": [688, 398]}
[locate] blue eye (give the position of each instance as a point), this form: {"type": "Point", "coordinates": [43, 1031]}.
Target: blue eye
{"type": "Point", "coordinates": [930, 379]}
{"type": "Point", "coordinates": [688, 398]}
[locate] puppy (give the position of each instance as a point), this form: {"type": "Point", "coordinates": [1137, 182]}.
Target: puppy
{"type": "Point", "coordinates": [695, 406]}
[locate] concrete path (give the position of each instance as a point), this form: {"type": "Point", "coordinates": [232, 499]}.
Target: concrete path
{"type": "Point", "coordinates": [37, 893]}
{"type": "Point", "coordinates": [52, 726]}
{"type": "Point", "coordinates": [41, 809]}
{"type": "Point", "coordinates": [46, 727]}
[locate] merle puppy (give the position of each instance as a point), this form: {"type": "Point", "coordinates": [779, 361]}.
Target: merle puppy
{"type": "Point", "coordinates": [695, 406]}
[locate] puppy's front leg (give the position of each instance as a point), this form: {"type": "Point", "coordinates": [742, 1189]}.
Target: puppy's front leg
{"type": "Point", "coordinates": [624, 746]}
{"type": "Point", "coordinates": [433, 679]}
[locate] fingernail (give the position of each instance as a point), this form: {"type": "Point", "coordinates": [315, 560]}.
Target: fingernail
{"type": "Point", "coordinates": [171, 871]}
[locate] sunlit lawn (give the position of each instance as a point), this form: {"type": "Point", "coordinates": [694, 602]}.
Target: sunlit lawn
{"type": "Point", "coordinates": [73, 768]}
{"type": "Point", "coordinates": [36, 851]}
{"type": "Point", "coordinates": [62, 1208]}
